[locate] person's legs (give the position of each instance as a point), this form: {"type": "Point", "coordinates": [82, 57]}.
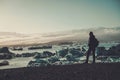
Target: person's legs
{"type": "Point", "coordinates": [93, 51]}
{"type": "Point", "coordinates": [87, 56]}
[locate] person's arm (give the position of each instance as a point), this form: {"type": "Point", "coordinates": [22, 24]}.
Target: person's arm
{"type": "Point", "coordinates": [89, 42]}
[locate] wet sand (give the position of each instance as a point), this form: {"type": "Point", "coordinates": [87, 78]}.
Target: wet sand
{"type": "Point", "coordinates": [98, 71]}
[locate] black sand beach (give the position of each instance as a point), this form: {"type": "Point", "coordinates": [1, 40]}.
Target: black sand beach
{"type": "Point", "coordinates": [98, 71]}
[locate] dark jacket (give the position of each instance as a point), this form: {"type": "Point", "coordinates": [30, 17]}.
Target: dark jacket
{"type": "Point", "coordinates": [91, 42]}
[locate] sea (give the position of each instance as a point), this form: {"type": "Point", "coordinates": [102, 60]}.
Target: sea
{"type": "Point", "coordinates": [23, 61]}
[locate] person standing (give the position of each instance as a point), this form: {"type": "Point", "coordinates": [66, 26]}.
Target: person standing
{"type": "Point", "coordinates": [92, 43]}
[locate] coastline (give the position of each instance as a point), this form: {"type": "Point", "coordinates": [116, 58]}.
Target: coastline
{"type": "Point", "coordinates": [97, 71]}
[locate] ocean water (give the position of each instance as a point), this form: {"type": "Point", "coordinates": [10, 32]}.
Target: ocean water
{"type": "Point", "coordinates": [16, 62]}
{"type": "Point", "coordinates": [57, 48]}
{"type": "Point", "coordinates": [107, 45]}
{"type": "Point", "coordinates": [25, 50]}
{"type": "Point", "coordinates": [23, 61]}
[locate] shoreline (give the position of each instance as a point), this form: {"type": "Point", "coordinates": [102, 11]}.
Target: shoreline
{"type": "Point", "coordinates": [97, 71]}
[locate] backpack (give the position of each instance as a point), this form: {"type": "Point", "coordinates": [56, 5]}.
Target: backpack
{"type": "Point", "coordinates": [96, 42]}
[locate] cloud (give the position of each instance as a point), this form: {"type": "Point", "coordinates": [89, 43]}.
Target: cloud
{"type": "Point", "coordinates": [82, 35]}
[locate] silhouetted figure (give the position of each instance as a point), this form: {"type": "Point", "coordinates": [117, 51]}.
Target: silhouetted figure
{"type": "Point", "coordinates": [92, 43]}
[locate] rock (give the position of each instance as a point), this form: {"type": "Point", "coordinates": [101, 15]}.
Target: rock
{"type": "Point", "coordinates": [4, 63]}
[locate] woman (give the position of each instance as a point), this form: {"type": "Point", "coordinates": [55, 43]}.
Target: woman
{"type": "Point", "coordinates": [92, 43]}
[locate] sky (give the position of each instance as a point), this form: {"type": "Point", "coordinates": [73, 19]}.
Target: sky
{"type": "Point", "coordinates": [42, 16]}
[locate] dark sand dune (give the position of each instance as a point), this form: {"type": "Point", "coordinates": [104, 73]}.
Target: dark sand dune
{"type": "Point", "coordinates": [106, 71]}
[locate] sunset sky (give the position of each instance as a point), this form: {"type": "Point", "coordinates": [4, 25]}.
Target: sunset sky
{"type": "Point", "coordinates": [42, 16]}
